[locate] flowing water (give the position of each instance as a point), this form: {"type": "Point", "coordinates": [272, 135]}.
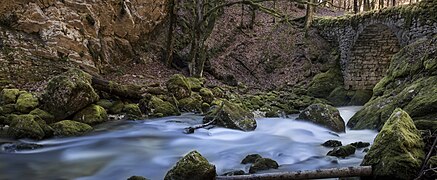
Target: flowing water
{"type": "Point", "coordinates": [149, 148]}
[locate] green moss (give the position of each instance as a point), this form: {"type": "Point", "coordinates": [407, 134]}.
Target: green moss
{"type": "Point", "coordinates": [430, 125]}
{"type": "Point", "coordinates": [192, 166]}
{"type": "Point", "coordinates": [178, 86]}
{"type": "Point", "coordinates": [91, 115]}
{"type": "Point", "coordinates": [324, 115]}
{"type": "Point", "coordinates": [132, 111]}
{"type": "Point", "coordinates": [195, 83]}
{"type": "Point", "coordinates": [117, 107]}
{"type": "Point", "coordinates": [7, 109]}
{"type": "Point", "coordinates": [218, 92]}
{"type": "Point", "coordinates": [432, 162]}
{"type": "Point", "coordinates": [342, 151]}
{"type": "Point", "coordinates": [397, 151]}
{"type": "Point", "coordinates": [207, 95]}
{"type": "Point", "coordinates": [26, 102]}
{"type": "Point", "coordinates": [107, 104]}
{"type": "Point", "coordinates": [9, 96]}
{"type": "Point", "coordinates": [263, 164]}
{"type": "Point", "coordinates": [231, 115]}
{"type": "Point", "coordinates": [25, 126]}
{"type": "Point", "coordinates": [163, 108]}
{"type": "Point", "coordinates": [379, 88]}
{"type": "Point", "coordinates": [324, 83]}
{"type": "Point", "coordinates": [43, 115]}
{"type": "Point", "coordinates": [251, 158]}
{"type": "Point", "coordinates": [339, 97]}
{"type": "Point", "coordinates": [360, 97]}
{"type": "Point", "coordinates": [70, 128]}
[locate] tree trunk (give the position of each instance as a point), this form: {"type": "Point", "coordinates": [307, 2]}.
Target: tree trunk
{"type": "Point", "coordinates": [312, 174]}
{"type": "Point", "coordinates": [309, 15]}
{"type": "Point", "coordinates": [355, 6]}
{"type": "Point", "coordinates": [170, 35]}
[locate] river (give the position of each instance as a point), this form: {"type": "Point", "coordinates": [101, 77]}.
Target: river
{"type": "Point", "coordinates": [149, 148]}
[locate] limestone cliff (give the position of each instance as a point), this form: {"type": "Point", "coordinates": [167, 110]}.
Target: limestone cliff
{"type": "Point", "coordinates": [38, 37]}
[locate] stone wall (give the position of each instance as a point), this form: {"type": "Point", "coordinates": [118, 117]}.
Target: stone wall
{"type": "Point", "coordinates": [370, 57]}
{"type": "Point", "coordinates": [407, 23]}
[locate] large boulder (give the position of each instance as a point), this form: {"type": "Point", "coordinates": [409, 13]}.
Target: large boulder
{"type": "Point", "coordinates": [251, 158]}
{"type": "Point", "coordinates": [324, 115]}
{"type": "Point", "coordinates": [192, 166]}
{"type": "Point", "coordinates": [158, 108]}
{"type": "Point", "coordinates": [47, 117]}
{"type": "Point", "coordinates": [179, 86]}
{"type": "Point", "coordinates": [26, 102]}
{"type": "Point", "coordinates": [25, 126]}
{"type": "Point", "coordinates": [132, 111]}
{"type": "Point", "coordinates": [342, 151]}
{"type": "Point", "coordinates": [91, 115]}
{"type": "Point", "coordinates": [9, 96]}
{"type": "Point", "coordinates": [68, 93]}
{"type": "Point", "coordinates": [191, 104]}
{"type": "Point", "coordinates": [324, 83]}
{"type": "Point", "coordinates": [397, 151]}
{"type": "Point", "coordinates": [70, 128]}
{"type": "Point", "coordinates": [263, 164]}
{"type": "Point", "coordinates": [230, 115]}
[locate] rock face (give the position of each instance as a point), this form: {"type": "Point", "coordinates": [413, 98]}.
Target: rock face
{"type": "Point", "coordinates": [70, 128]}
{"type": "Point", "coordinates": [324, 115]}
{"type": "Point", "coordinates": [397, 151]}
{"type": "Point", "coordinates": [192, 166]}
{"type": "Point", "coordinates": [92, 33]}
{"type": "Point", "coordinates": [232, 116]}
{"type": "Point", "coordinates": [68, 93]}
{"type": "Point", "coordinates": [409, 84]}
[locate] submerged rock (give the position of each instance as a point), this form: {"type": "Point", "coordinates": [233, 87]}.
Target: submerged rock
{"type": "Point", "coordinates": [137, 178]}
{"type": "Point", "coordinates": [263, 164]}
{"type": "Point", "coordinates": [332, 143]}
{"type": "Point", "coordinates": [91, 115]}
{"type": "Point", "coordinates": [26, 102]}
{"type": "Point", "coordinates": [342, 151]}
{"type": "Point", "coordinates": [19, 146]}
{"type": "Point", "coordinates": [360, 144]}
{"type": "Point", "coordinates": [178, 86]}
{"type": "Point", "coordinates": [252, 158]}
{"type": "Point", "coordinates": [324, 115]}
{"type": "Point", "coordinates": [230, 115]}
{"type": "Point", "coordinates": [68, 93]}
{"type": "Point", "coordinates": [397, 151]}
{"type": "Point", "coordinates": [192, 166]}
{"type": "Point", "coordinates": [234, 173]}
{"type": "Point", "coordinates": [70, 128]}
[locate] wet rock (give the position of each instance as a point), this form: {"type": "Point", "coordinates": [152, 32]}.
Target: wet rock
{"type": "Point", "coordinates": [137, 178]}
{"type": "Point", "coordinates": [252, 158]}
{"type": "Point", "coordinates": [68, 93]}
{"type": "Point", "coordinates": [178, 86]}
{"type": "Point", "coordinates": [70, 128]}
{"type": "Point", "coordinates": [19, 146]}
{"type": "Point", "coordinates": [234, 173]}
{"type": "Point", "coordinates": [26, 102]}
{"type": "Point", "coordinates": [360, 144]}
{"type": "Point", "coordinates": [105, 103]}
{"type": "Point", "coordinates": [332, 143]}
{"type": "Point", "coordinates": [232, 116]}
{"type": "Point", "coordinates": [191, 104]}
{"type": "Point", "coordinates": [91, 115]}
{"type": "Point", "coordinates": [397, 151]}
{"type": "Point", "coordinates": [117, 107]}
{"type": "Point", "coordinates": [192, 166]}
{"type": "Point", "coordinates": [263, 164]}
{"type": "Point", "coordinates": [9, 96]}
{"type": "Point", "coordinates": [207, 95]}
{"type": "Point", "coordinates": [324, 115]}
{"type": "Point", "coordinates": [342, 151]}
{"type": "Point", "coordinates": [158, 108]}
{"type": "Point", "coordinates": [25, 126]}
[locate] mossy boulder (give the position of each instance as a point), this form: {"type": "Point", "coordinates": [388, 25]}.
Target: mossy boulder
{"type": "Point", "coordinates": [70, 128]}
{"type": "Point", "coordinates": [360, 97]}
{"type": "Point", "coordinates": [263, 164]}
{"type": "Point", "coordinates": [68, 93]}
{"type": "Point", "coordinates": [25, 126]}
{"type": "Point", "coordinates": [132, 111]}
{"type": "Point", "coordinates": [7, 109]}
{"type": "Point", "coordinates": [342, 151]}
{"type": "Point", "coordinates": [137, 178]}
{"type": "Point", "coordinates": [251, 158]}
{"type": "Point", "coordinates": [332, 143]}
{"type": "Point", "coordinates": [360, 144]}
{"type": "Point", "coordinates": [158, 107]}
{"type": "Point", "coordinates": [207, 95]}
{"type": "Point", "coordinates": [191, 104]}
{"type": "Point", "coordinates": [195, 83]}
{"type": "Point", "coordinates": [218, 92]}
{"type": "Point", "coordinates": [105, 103]}
{"type": "Point", "coordinates": [178, 86]}
{"type": "Point", "coordinates": [339, 96]}
{"type": "Point", "coordinates": [9, 96]}
{"type": "Point", "coordinates": [47, 117]}
{"type": "Point", "coordinates": [324, 115]}
{"type": "Point", "coordinates": [117, 107]}
{"type": "Point", "coordinates": [430, 125]}
{"type": "Point", "coordinates": [192, 166]}
{"type": "Point", "coordinates": [93, 114]}
{"type": "Point", "coordinates": [26, 102]}
{"type": "Point", "coordinates": [397, 151]}
{"type": "Point", "coordinates": [230, 115]}
{"type": "Point", "coordinates": [324, 83]}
